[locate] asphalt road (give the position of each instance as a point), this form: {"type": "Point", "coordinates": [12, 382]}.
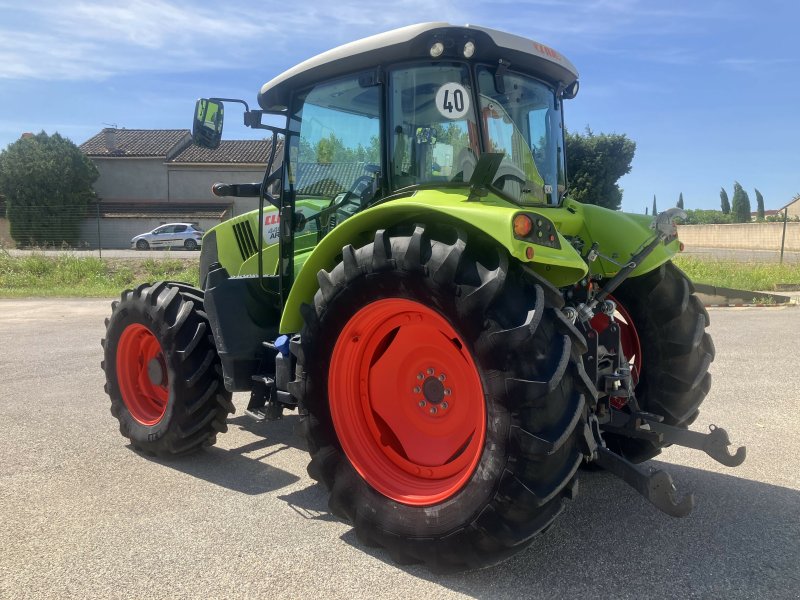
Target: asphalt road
{"type": "Point", "coordinates": [742, 255]}
{"type": "Point", "coordinates": [85, 516]}
{"type": "Point", "coordinates": [728, 254]}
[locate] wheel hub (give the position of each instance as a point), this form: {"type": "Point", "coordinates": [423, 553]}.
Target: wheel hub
{"type": "Point", "coordinates": [394, 375]}
{"type": "Point", "coordinates": [142, 374]}
{"type": "Point", "coordinates": [433, 390]}
{"type": "Point", "coordinates": [156, 371]}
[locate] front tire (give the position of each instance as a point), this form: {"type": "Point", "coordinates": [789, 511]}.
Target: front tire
{"type": "Point", "coordinates": [190, 245]}
{"type": "Point", "coordinates": [423, 321]}
{"type": "Point", "coordinates": [142, 245]}
{"type": "Point", "coordinates": [675, 352]}
{"type": "Point", "coordinates": [163, 374]}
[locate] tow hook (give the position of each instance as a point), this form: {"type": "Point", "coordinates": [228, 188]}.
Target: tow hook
{"type": "Point", "coordinates": [644, 425]}
{"type": "Point", "coordinates": [714, 443]}
{"type": "Point", "coordinates": [656, 486]}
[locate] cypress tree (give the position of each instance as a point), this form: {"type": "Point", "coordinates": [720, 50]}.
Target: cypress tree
{"type": "Point", "coordinates": [740, 207]}
{"type": "Point", "coordinates": [760, 205]}
{"type": "Point", "coordinates": [655, 210]}
{"type": "Point", "coordinates": [680, 201]}
{"type": "Point", "coordinates": [726, 205]}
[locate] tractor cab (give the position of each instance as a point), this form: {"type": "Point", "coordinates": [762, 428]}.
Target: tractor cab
{"type": "Point", "coordinates": [412, 108]}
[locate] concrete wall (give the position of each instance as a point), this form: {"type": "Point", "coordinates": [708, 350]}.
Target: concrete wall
{"type": "Point", "coordinates": [194, 184]}
{"type": "Point", "coordinates": [750, 236]}
{"type": "Point", "coordinates": [130, 179]}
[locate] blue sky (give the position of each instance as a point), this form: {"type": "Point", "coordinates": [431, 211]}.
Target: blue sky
{"type": "Point", "coordinates": [709, 91]}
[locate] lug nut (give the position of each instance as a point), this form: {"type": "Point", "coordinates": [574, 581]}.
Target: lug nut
{"type": "Point", "coordinates": [433, 410]}
{"type": "Point", "coordinates": [447, 391]}
{"type": "Point", "coordinates": [444, 405]}
{"type": "Point", "coordinates": [417, 390]}
{"type": "Point", "coordinates": [422, 403]}
{"type": "Point", "coordinates": [442, 377]}
{"type": "Point", "coordinates": [420, 376]}
{"type": "Point", "coordinates": [430, 371]}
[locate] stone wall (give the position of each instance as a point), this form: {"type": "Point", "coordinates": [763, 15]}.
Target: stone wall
{"type": "Point", "coordinates": [750, 236]}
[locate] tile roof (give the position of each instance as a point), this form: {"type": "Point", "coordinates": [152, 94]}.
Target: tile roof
{"type": "Point", "coordinates": [136, 142]}
{"type": "Point", "coordinates": [231, 151]}
{"type": "Point", "coordinates": [177, 210]}
{"type": "Point", "coordinates": [315, 179]}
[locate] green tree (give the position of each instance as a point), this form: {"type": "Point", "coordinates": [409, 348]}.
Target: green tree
{"type": "Point", "coordinates": [740, 207]}
{"type": "Point", "coordinates": [594, 165]}
{"type": "Point", "coordinates": [725, 204]}
{"type": "Point", "coordinates": [680, 201]}
{"type": "Point", "coordinates": [655, 208]}
{"type": "Point", "coordinates": [47, 182]}
{"type": "Point", "coordinates": [759, 205]}
{"type": "Point", "coordinates": [327, 148]}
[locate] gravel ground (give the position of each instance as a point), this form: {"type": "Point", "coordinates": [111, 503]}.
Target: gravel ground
{"type": "Point", "coordinates": [85, 516]}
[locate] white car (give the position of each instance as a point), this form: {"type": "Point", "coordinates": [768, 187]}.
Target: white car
{"type": "Point", "coordinates": [170, 235]}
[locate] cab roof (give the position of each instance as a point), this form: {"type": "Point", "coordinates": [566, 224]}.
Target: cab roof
{"type": "Point", "coordinates": [414, 43]}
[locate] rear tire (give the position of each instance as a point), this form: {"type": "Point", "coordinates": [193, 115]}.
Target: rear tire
{"type": "Point", "coordinates": [676, 350]}
{"type": "Point", "coordinates": [163, 374]}
{"type": "Point", "coordinates": [493, 321]}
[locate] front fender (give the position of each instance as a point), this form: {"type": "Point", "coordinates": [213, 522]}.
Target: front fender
{"type": "Point", "coordinates": [492, 215]}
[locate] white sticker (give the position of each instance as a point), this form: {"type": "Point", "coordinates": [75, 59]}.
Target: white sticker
{"type": "Point", "coordinates": [452, 100]}
{"type": "Point", "coordinates": [272, 224]}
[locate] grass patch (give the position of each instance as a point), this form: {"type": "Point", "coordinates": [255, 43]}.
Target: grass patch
{"type": "Point", "coordinates": [740, 276]}
{"type": "Point", "coordinates": [92, 277]}
{"type": "Point", "coordinates": [71, 275]}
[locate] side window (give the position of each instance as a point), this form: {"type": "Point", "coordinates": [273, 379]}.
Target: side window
{"type": "Point", "coordinates": [180, 228]}
{"type": "Point", "coordinates": [164, 229]}
{"type": "Point", "coordinates": [336, 157]}
{"type": "Point", "coordinates": [520, 119]}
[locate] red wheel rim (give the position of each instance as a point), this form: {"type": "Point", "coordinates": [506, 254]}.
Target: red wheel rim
{"type": "Point", "coordinates": [142, 374]}
{"type": "Point", "coordinates": [629, 339]}
{"type": "Point", "coordinates": [407, 402]}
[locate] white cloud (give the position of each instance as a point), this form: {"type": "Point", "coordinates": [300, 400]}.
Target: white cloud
{"type": "Point", "coordinates": [90, 39]}
{"type": "Point", "coordinates": [95, 39]}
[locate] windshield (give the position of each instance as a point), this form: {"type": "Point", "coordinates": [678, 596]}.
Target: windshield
{"type": "Point", "coordinates": [434, 132]}
{"type": "Point", "coordinates": [435, 129]}
{"type": "Point", "coordinates": [520, 118]}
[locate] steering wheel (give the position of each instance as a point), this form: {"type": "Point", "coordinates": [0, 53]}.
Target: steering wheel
{"type": "Point", "coordinates": [357, 189]}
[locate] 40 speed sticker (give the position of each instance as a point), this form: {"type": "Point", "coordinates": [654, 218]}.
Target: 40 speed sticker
{"type": "Point", "coordinates": [452, 100]}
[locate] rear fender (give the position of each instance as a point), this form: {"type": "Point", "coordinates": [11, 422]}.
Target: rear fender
{"type": "Point", "coordinates": [492, 216]}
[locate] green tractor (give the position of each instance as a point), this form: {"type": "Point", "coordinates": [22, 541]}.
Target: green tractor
{"type": "Point", "coordinates": [457, 336]}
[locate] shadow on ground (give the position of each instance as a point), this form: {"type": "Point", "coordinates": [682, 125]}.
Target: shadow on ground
{"type": "Point", "coordinates": [244, 469]}
{"type": "Point", "coordinates": [611, 543]}
{"type": "Point", "coordinates": [741, 541]}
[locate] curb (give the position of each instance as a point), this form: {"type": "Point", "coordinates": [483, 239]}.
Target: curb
{"type": "Point", "coordinates": [719, 297]}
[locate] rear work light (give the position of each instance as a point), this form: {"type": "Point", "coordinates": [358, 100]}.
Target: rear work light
{"type": "Point", "coordinates": [522, 225]}
{"type": "Point", "coordinates": [535, 229]}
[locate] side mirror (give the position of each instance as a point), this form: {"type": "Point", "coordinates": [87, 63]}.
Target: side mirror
{"type": "Point", "coordinates": [208, 119]}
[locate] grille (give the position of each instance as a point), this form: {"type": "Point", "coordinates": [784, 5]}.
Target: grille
{"type": "Point", "coordinates": [245, 239]}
